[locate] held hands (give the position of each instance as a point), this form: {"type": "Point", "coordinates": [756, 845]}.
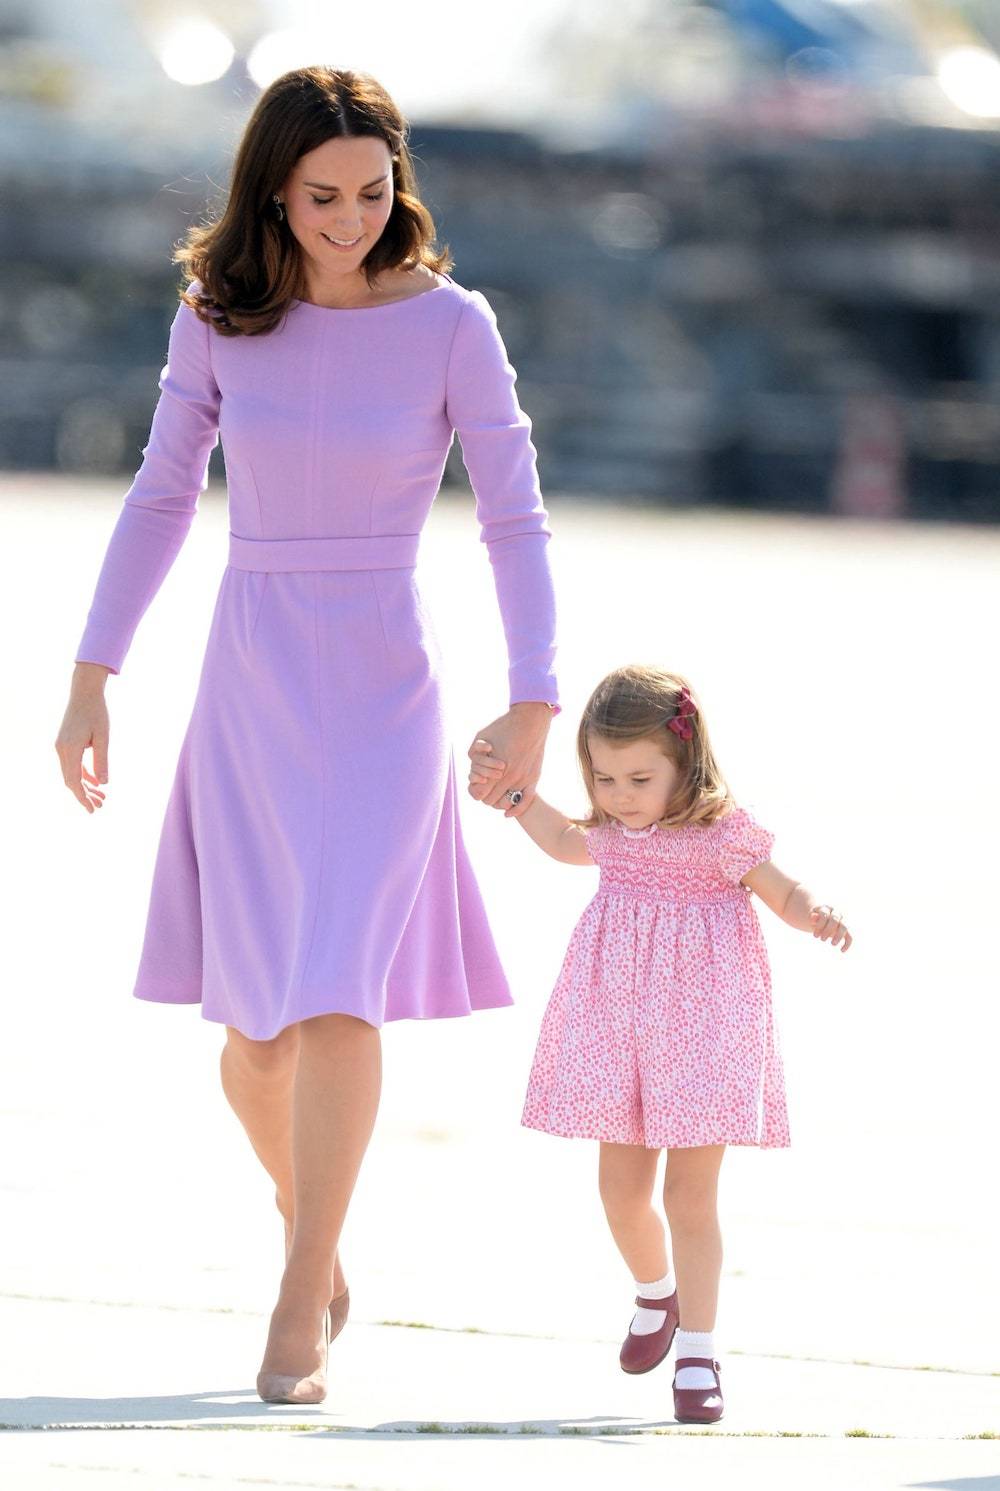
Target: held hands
{"type": "Point", "coordinates": [507, 755]}
{"type": "Point", "coordinates": [829, 926]}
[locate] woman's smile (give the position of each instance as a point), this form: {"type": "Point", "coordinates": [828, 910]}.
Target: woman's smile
{"type": "Point", "coordinates": [344, 245]}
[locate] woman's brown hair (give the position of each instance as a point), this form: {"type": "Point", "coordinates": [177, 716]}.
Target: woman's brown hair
{"type": "Point", "coordinates": [638, 702]}
{"type": "Point", "coordinates": [248, 261]}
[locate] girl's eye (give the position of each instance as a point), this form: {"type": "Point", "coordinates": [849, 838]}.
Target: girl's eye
{"type": "Point", "coordinates": [322, 201]}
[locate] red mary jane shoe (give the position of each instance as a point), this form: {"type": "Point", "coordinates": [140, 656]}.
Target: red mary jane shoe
{"type": "Point", "coordinates": [643, 1353]}
{"type": "Point", "coordinates": [697, 1405]}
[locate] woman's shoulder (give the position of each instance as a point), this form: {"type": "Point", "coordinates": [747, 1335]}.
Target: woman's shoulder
{"type": "Point", "coordinates": [473, 303]}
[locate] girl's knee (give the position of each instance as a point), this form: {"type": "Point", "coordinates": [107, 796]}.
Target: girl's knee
{"type": "Point", "coordinates": [690, 1198]}
{"type": "Point", "coordinates": [625, 1181]}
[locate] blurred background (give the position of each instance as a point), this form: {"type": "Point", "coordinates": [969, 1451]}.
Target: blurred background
{"type": "Point", "coordinates": [744, 252]}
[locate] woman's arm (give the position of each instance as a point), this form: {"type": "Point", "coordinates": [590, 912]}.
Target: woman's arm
{"type": "Point", "coordinates": [495, 436]}
{"type": "Point", "coordinates": [159, 506]}
{"type": "Point", "coordinates": [796, 905]}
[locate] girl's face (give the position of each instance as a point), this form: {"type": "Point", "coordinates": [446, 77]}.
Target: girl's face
{"type": "Point", "coordinates": [338, 198]}
{"type": "Point", "coordinates": [634, 781]}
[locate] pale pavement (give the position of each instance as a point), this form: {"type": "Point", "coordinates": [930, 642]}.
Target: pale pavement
{"type": "Point", "coordinates": [844, 672]}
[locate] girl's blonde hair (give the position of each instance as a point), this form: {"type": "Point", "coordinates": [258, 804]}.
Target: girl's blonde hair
{"type": "Point", "coordinates": [637, 703]}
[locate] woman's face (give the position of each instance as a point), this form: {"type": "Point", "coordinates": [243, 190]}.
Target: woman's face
{"type": "Point", "coordinates": [633, 782]}
{"type": "Point", "coordinates": [338, 198]}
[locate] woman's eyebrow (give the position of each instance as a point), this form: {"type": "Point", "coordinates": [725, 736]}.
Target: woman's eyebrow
{"type": "Point", "coordinates": [324, 188]}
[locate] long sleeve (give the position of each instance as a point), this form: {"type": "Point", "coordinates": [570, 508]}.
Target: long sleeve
{"type": "Point", "coordinates": [159, 506]}
{"type": "Point", "coordinates": [495, 436]}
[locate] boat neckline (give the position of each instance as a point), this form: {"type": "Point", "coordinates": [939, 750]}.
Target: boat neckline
{"type": "Point", "coordinates": [384, 306]}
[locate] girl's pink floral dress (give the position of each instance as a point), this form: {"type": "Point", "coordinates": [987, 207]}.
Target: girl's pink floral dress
{"type": "Point", "coordinates": [660, 1028]}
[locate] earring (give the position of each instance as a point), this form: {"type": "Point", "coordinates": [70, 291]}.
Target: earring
{"type": "Point", "coordinates": [278, 207]}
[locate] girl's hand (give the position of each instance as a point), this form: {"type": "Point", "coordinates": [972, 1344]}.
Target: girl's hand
{"type": "Point", "coordinates": [508, 754]}
{"type": "Point", "coordinates": [485, 765]}
{"type": "Point", "coordinates": [829, 926]}
{"type": "Point", "coordinates": [84, 724]}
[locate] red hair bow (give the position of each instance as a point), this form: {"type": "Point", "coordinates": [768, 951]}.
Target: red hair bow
{"type": "Point", "coordinates": [681, 722]}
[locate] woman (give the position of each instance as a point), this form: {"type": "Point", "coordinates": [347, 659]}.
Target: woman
{"type": "Point", "coordinates": [311, 881]}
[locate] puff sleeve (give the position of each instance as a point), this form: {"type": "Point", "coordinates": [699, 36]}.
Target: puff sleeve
{"type": "Point", "coordinates": [159, 506]}
{"type": "Point", "coordinates": [495, 436]}
{"type": "Point", "coordinates": [744, 844]}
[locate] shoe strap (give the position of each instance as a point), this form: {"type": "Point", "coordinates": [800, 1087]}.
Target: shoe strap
{"type": "Point", "coordinates": [667, 1303]}
{"type": "Point", "coordinates": [697, 1361]}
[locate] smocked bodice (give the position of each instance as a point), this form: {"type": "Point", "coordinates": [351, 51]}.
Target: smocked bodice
{"type": "Point", "coordinates": [695, 863]}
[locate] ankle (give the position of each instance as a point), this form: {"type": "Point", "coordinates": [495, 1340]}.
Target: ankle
{"type": "Point", "coordinates": [304, 1295]}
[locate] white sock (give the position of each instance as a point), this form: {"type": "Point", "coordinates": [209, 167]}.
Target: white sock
{"type": "Point", "coordinates": [645, 1322]}
{"type": "Point", "coordinates": [695, 1343]}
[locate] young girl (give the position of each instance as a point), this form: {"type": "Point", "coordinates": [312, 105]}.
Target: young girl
{"type": "Point", "coordinates": [659, 1033]}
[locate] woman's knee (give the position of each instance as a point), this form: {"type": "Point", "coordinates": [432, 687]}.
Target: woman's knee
{"type": "Point", "coordinates": [270, 1058]}
{"type": "Point", "coordinates": [337, 1028]}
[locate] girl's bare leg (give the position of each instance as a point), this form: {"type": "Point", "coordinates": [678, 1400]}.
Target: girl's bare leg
{"type": "Point", "coordinates": [335, 1099]}
{"type": "Point", "coordinates": [258, 1079]}
{"type": "Point", "coordinates": [691, 1201]}
{"type": "Point", "coordinates": [627, 1175]}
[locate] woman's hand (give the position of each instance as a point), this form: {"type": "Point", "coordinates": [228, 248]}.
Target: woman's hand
{"type": "Point", "coordinates": [508, 754]}
{"type": "Point", "coordinates": [84, 724]}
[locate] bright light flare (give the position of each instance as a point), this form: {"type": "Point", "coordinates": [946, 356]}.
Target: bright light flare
{"type": "Point", "coordinates": [194, 51]}
{"type": "Point", "coordinates": [970, 77]}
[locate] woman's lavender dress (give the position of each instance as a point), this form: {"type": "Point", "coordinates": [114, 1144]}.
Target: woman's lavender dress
{"type": "Point", "coordinates": [311, 857]}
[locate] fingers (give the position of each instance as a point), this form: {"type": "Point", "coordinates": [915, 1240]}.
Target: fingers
{"type": "Point", "coordinates": [486, 770]}
{"type": "Point", "coordinates": [495, 792]}
{"type": "Point", "coordinates": [829, 926]}
{"type": "Point", "coordinates": [486, 767]}
{"type": "Point", "coordinates": [74, 775]}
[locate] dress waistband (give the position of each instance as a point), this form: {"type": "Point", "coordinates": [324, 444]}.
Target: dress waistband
{"type": "Point", "coordinates": [369, 551]}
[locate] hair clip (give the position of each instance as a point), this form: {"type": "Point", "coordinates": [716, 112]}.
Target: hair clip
{"type": "Point", "coordinates": [680, 724]}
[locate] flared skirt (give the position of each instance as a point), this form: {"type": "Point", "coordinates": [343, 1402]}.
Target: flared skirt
{"type": "Point", "coordinates": [311, 857]}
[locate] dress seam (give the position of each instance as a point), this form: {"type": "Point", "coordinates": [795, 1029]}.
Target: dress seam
{"type": "Point", "coordinates": [378, 609]}
{"type": "Point", "coordinates": [260, 606]}
{"type": "Point", "coordinates": [314, 428]}
{"type": "Point", "coordinates": [256, 492]}
{"type": "Point", "coordinates": [322, 814]}
{"type": "Point", "coordinates": [447, 365]}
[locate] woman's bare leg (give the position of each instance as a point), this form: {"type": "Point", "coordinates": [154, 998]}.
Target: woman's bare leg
{"type": "Point", "coordinates": [338, 1082]}
{"type": "Point", "coordinates": [627, 1174]}
{"type": "Point", "coordinates": [691, 1201]}
{"type": "Point", "coordinates": [258, 1079]}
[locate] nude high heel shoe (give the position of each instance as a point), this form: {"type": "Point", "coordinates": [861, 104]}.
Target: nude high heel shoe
{"type": "Point", "coordinates": [338, 1312]}
{"type": "Point", "coordinates": [280, 1387]}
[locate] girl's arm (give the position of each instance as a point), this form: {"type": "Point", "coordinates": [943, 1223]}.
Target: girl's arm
{"type": "Point", "coordinates": [796, 905]}
{"type": "Point", "coordinates": [555, 833]}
